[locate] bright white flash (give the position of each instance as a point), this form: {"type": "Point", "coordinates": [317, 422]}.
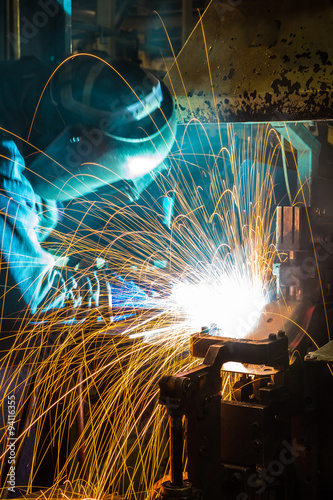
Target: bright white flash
{"type": "Point", "coordinates": [234, 304]}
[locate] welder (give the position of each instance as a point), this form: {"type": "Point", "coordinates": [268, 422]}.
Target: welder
{"type": "Point", "coordinates": [92, 123]}
{"type": "Point", "coordinates": [96, 124]}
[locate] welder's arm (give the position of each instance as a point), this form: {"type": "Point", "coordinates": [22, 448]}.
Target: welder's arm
{"type": "Point", "coordinates": [28, 278]}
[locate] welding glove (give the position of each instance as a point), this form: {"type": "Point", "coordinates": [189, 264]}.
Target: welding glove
{"type": "Point", "coordinates": [87, 289]}
{"type": "Point", "coordinates": [94, 285]}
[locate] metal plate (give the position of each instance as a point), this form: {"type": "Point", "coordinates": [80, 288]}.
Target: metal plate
{"type": "Point", "coordinates": [248, 369]}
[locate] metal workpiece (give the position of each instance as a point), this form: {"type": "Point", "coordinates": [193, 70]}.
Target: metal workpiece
{"type": "Point", "coordinates": [253, 61]}
{"type": "Point", "coordinates": [283, 318]}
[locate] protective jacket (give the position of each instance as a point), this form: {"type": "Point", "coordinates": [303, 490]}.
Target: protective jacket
{"type": "Point", "coordinates": [28, 276]}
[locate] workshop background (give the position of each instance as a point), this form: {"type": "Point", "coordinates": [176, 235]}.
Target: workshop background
{"type": "Point", "coordinates": [230, 236]}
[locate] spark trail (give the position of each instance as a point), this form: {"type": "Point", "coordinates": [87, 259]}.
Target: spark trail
{"type": "Point", "coordinates": [219, 253]}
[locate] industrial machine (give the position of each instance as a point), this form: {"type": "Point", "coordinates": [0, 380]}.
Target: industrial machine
{"type": "Point", "coordinates": [255, 62]}
{"type": "Point", "coordinates": [271, 438]}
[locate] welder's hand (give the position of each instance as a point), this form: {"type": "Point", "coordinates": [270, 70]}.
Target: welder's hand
{"type": "Point", "coordinates": [87, 291]}
{"type": "Point", "coordinates": [94, 287]}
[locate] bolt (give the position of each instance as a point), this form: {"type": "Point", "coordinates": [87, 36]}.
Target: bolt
{"type": "Point", "coordinates": [187, 385]}
{"type": "Point", "coordinates": [255, 425]}
{"type": "Point", "coordinates": [236, 478]}
{"type": "Point", "coordinates": [272, 336]}
{"type": "Point", "coordinates": [281, 333]}
{"type": "Point", "coordinates": [256, 444]}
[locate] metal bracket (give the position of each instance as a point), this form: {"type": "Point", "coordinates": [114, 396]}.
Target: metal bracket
{"type": "Point", "coordinates": [308, 149]}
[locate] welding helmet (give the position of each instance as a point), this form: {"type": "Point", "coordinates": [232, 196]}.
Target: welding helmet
{"type": "Point", "coordinates": [114, 122]}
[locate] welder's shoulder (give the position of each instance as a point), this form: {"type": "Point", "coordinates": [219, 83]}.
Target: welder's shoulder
{"type": "Point", "coordinates": [12, 163]}
{"type": "Point", "coordinates": [16, 191]}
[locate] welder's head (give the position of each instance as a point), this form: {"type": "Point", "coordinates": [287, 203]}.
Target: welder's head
{"type": "Point", "coordinates": [117, 123]}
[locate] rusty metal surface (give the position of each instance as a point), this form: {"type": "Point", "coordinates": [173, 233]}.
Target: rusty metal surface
{"type": "Point", "coordinates": [269, 61]}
